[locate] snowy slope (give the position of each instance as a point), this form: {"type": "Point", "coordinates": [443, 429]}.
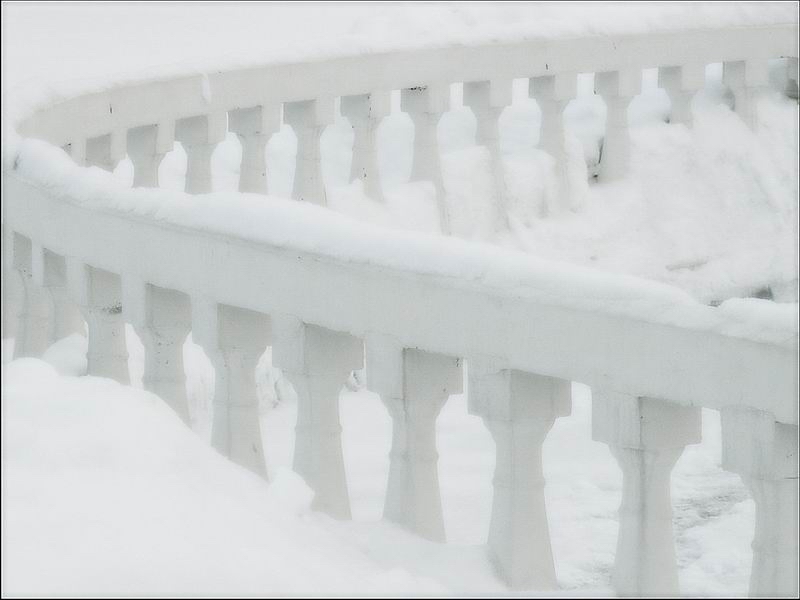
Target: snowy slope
{"type": "Point", "coordinates": [105, 486]}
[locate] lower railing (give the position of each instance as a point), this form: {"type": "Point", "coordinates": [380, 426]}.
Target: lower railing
{"type": "Point", "coordinates": [422, 315]}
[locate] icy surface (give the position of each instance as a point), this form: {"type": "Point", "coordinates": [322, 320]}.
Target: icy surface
{"type": "Point", "coordinates": [105, 486]}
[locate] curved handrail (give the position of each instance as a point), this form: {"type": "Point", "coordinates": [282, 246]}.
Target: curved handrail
{"type": "Point", "coordinates": [128, 106]}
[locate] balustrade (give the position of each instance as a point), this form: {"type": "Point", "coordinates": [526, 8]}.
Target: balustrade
{"type": "Point", "coordinates": [325, 317]}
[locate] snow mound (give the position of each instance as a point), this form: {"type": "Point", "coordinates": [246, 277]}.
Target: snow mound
{"type": "Point", "coordinates": [106, 487]}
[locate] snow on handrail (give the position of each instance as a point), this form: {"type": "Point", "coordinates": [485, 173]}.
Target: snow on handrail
{"type": "Point", "coordinates": [246, 271]}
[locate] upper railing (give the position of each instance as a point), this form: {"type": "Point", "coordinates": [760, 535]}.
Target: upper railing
{"type": "Point", "coordinates": [246, 272]}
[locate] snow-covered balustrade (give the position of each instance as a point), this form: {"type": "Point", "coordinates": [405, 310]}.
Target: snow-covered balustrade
{"type": "Point", "coordinates": [426, 317]}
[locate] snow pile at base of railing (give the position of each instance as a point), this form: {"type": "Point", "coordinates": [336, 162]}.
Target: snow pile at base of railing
{"type": "Point", "coordinates": [312, 229]}
{"type": "Point", "coordinates": [108, 490]}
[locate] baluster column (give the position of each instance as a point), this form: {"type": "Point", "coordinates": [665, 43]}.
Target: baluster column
{"type": "Point", "coordinates": [162, 318]}
{"type": "Point", "coordinates": [199, 137]}
{"type": "Point", "coordinates": [747, 79]}
{"type": "Point", "coordinates": [617, 88]}
{"type": "Point", "coordinates": [365, 113]}
{"type": "Point", "coordinates": [147, 146]}
{"type": "Point", "coordinates": [234, 339]}
{"type": "Point", "coordinates": [254, 128]}
{"type": "Point", "coordinates": [308, 119]}
{"type": "Point", "coordinates": [647, 437]}
{"type": "Point", "coordinates": [764, 453]}
{"type": "Point", "coordinates": [681, 84]}
{"type": "Point", "coordinates": [426, 105]}
{"type": "Point", "coordinates": [414, 386]}
{"type": "Point", "coordinates": [553, 93]}
{"type": "Point", "coordinates": [791, 89]}
{"type": "Point", "coordinates": [11, 288]}
{"type": "Point", "coordinates": [519, 409]}
{"type": "Point", "coordinates": [488, 99]}
{"type": "Point", "coordinates": [317, 362]}
{"type": "Point", "coordinates": [33, 327]}
{"type": "Point", "coordinates": [67, 318]}
{"type": "Point", "coordinates": [98, 293]}
{"type": "Point", "coordinates": [105, 151]}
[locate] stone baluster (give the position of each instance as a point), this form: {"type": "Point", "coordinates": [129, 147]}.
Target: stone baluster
{"type": "Point", "coordinates": [199, 137]}
{"type": "Point", "coordinates": [105, 151]}
{"type": "Point", "coordinates": [414, 386]}
{"type": "Point", "coordinates": [308, 119]}
{"type": "Point", "coordinates": [519, 409]}
{"type": "Point", "coordinates": [98, 293]}
{"type": "Point", "coordinates": [747, 79]}
{"type": "Point", "coordinates": [487, 99]}
{"type": "Point", "coordinates": [67, 318]}
{"type": "Point", "coordinates": [147, 146]}
{"type": "Point", "coordinates": [254, 127]}
{"type": "Point", "coordinates": [234, 339]}
{"type": "Point", "coordinates": [365, 113]}
{"type": "Point", "coordinates": [426, 105]}
{"type": "Point", "coordinates": [681, 84]}
{"type": "Point", "coordinates": [11, 287]}
{"type": "Point", "coordinates": [647, 437]}
{"type": "Point", "coordinates": [764, 453]}
{"type": "Point", "coordinates": [791, 89]}
{"type": "Point", "coordinates": [33, 327]}
{"type": "Point", "coordinates": [317, 362]}
{"type": "Point", "coordinates": [552, 93]}
{"type": "Point", "coordinates": [162, 319]}
{"type": "Point", "coordinates": [617, 88]}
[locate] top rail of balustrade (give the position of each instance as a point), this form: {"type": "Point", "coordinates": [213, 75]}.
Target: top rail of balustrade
{"type": "Point", "coordinates": [440, 295]}
{"type": "Point", "coordinates": [164, 101]}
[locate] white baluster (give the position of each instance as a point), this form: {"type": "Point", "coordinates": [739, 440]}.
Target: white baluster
{"type": "Point", "coordinates": [254, 127]}
{"type": "Point", "coordinates": [162, 318]}
{"type": "Point", "coordinates": [67, 318]}
{"type": "Point", "coordinates": [426, 105]}
{"type": "Point", "coordinates": [791, 89]}
{"type": "Point", "coordinates": [518, 409]}
{"type": "Point", "coordinates": [147, 146]}
{"type": "Point", "coordinates": [747, 79]}
{"type": "Point", "coordinates": [33, 326]}
{"type": "Point", "coordinates": [414, 386]}
{"type": "Point", "coordinates": [308, 120]}
{"type": "Point", "coordinates": [617, 88]}
{"type": "Point", "coordinates": [681, 84]}
{"type": "Point", "coordinates": [98, 293]}
{"type": "Point", "coordinates": [552, 94]}
{"type": "Point", "coordinates": [365, 113]}
{"type": "Point", "coordinates": [234, 339]}
{"type": "Point", "coordinates": [98, 153]}
{"type": "Point", "coordinates": [199, 137]}
{"type": "Point", "coordinates": [647, 437]}
{"type": "Point", "coordinates": [317, 362]}
{"type": "Point", "coordinates": [764, 453]}
{"type": "Point", "coordinates": [487, 99]}
{"type": "Point", "coordinates": [11, 287]}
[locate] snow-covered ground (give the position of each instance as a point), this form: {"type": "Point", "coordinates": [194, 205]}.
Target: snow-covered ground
{"type": "Point", "coordinates": [105, 492]}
